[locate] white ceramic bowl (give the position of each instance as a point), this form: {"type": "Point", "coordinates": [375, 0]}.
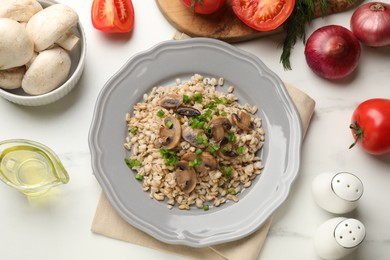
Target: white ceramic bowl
{"type": "Point", "coordinates": [77, 56]}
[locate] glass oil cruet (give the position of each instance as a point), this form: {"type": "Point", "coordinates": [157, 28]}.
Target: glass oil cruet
{"type": "Point", "coordinates": [30, 167]}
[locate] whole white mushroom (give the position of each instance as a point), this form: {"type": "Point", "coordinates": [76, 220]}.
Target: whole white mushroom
{"type": "Point", "coordinates": [53, 25]}
{"type": "Point", "coordinates": [19, 10]}
{"type": "Point", "coordinates": [47, 72]}
{"type": "Point", "coordinates": [16, 47]}
{"type": "Point", "coordinates": [12, 78]}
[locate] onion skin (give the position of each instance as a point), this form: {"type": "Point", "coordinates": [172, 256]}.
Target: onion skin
{"type": "Point", "coordinates": [371, 24]}
{"type": "Point", "coordinates": [332, 52]}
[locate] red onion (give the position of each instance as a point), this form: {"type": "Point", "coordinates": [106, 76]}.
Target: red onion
{"type": "Point", "coordinates": [332, 52]}
{"type": "Point", "coordinates": [371, 24]}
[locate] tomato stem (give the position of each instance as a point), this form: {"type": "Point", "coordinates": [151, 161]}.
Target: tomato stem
{"type": "Point", "coordinates": [358, 133]}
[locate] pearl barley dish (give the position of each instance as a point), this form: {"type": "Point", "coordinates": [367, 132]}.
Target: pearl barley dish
{"type": "Point", "coordinates": [193, 144]}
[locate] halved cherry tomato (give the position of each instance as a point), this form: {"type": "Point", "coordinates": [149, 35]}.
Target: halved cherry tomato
{"type": "Point", "coordinates": [263, 15]}
{"type": "Point", "coordinates": [370, 125]}
{"type": "Point", "coordinates": [113, 16]}
{"type": "Point", "coordinates": [203, 6]}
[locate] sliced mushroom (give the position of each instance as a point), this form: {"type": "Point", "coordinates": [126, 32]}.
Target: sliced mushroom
{"type": "Point", "coordinates": [49, 25]}
{"type": "Point", "coordinates": [218, 127]}
{"type": "Point", "coordinates": [16, 47]}
{"type": "Point", "coordinates": [171, 101]}
{"type": "Point", "coordinates": [187, 111]}
{"type": "Point", "coordinates": [12, 78]}
{"type": "Point", "coordinates": [243, 121]}
{"type": "Point", "coordinates": [19, 10]}
{"type": "Point", "coordinates": [208, 161]}
{"type": "Point", "coordinates": [171, 136]}
{"type": "Point", "coordinates": [185, 176]}
{"type": "Point", "coordinates": [227, 150]}
{"type": "Point", "coordinates": [191, 135]}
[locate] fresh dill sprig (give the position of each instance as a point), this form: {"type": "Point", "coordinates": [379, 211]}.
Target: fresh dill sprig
{"type": "Point", "coordinates": [295, 26]}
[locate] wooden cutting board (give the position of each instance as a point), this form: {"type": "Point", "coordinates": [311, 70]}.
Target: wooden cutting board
{"type": "Point", "coordinates": [224, 24]}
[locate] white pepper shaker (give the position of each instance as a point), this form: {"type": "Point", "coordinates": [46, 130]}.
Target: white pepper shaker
{"type": "Point", "coordinates": [338, 237]}
{"type": "Point", "coordinates": [337, 192]}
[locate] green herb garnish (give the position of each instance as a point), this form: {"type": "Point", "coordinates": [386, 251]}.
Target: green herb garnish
{"type": "Point", "coordinates": [160, 113]}
{"type": "Point", "coordinates": [186, 99]}
{"type": "Point", "coordinates": [132, 163]}
{"type": "Point", "coordinates": [133, 130]}
{"type": "Point", "coordinates": [295, 26]}
{"type": "Point", "coordinates": [139, 177]}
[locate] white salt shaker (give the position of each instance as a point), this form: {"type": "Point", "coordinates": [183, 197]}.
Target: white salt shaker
{"type": "Point", "coordinates": [338, 237]}
{"type": "Point", "coordinates": [337, 192]}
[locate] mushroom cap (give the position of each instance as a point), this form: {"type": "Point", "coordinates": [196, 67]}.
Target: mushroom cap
{"type": "Point", "coordinates": [48, 71]}
{"type": "Point", "coordinates": [171, 101]}
{"type": "Point", "coordinates": [242, 121]}
{"type": "Point", "coordinates": [19, 10]}
{"type": "Point", "coordinates": [191, 136]}
{"type": "Point", "coordinates": [230, 152]}
{"type": "Point", "coordinates": [16, 47]}
{"type": "Point", "coordinates": [209, 163]}
{"type": "Point", "coordinates": [185, 177]}
{"type": "Point", "coordinates": [218, 127]}
{"type": "Point", "coordinates": [12, 78]}
{"type": "Point", "coordinates": [48, 25]}
{"type": "Point", "coordinates": [187, 111]}
{"type": "Point", "coordinates": [171, 136]}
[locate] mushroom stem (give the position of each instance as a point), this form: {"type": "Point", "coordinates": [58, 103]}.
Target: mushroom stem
{"type": "Point", "coordinates": [68, 41]}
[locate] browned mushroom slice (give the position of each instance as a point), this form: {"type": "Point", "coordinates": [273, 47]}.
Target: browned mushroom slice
{"type": "Point", "coordinates": [170, 101]}
{"type": "Point", "coordinates": [170, 135]}
{"type": "Point", "coordinates": [185, 177]}
{"type": "Point", "coordinates": [227, 150]}
{"type": "Point", "coordinates": [192, 136]}
{"type": "Point", "coordinates": [187, 111]}
{"type": "Point", "coordinates": [218, 127]}
{"type": "Point", "coordinates": [209, 163]}
{"type": "Point", "coordinates": [243, 121]}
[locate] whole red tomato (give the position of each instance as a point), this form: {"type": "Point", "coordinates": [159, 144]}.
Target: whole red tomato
{"type": "Point", "coordinates": [113, 16]}
{"type": "Point", "coordinates": [203, 6]}
{"type": "Point", "coordinates": [370, 126]}
{"type": "Point", "coordinates": [263, 15]}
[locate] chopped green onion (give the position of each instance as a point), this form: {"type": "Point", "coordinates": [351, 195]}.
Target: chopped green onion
{"type": "Point", "coordinates": [213, 148]}
{"type": "Point", "coordinates": [197, 97]}
{"type": "Point", "coordinates": [225, 149]}
{"type": "Point", "coordinates": [224, 100]}
{"type": "Point", "coordinates": [216, 111]}
{"type": "Point", "coordinates": [240, 150]}
{"type": "Point", "coordinates": [206, 207]}
{"type": "Point", "coordinates": [198, 151]}
{"type": "Point", "coordinates": [208, 130]}
{"type": "Point", "coordinates": [160, 113]}
{"type": "Point", "coordinates": [232, 137]}
{"type": "Point", "coordinates": [228, 169]}
{"type": "Point", "coordinates": [186, 99]}
{"type": "Point", "coordinates": [232, 191]}
{"type": "Point", "coordinates": [169, 124]}
{"type": "Point", "coordinates": [169, 157]}
{"type": "Point", "coordinates": [139, 177]}
{"type": "Point", "coordinates": [223, 114]}
{"type": "Point", "coordinates": [133, 130]}
{"type": "Point", "coordinates": [210, 105]}
{"type": "Point", "coordinates": [195, 162]}
{"type": "Point", "coordinates": [199, 139]}
{"type": "Point", "coordinates": [132, 163]}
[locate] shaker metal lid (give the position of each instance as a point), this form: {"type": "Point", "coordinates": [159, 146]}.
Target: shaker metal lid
{"type": "Point", "coordinates": [347, 186]}
{"type": "Point", "coordinates": [350, 233]}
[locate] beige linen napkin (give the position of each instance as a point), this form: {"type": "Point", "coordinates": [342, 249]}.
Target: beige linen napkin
{"type": "Point", "coordinates": [108, 223]}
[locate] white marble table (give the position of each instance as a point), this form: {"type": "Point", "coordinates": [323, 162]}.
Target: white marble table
{"type": "Point", "coordinates": [59, 227]}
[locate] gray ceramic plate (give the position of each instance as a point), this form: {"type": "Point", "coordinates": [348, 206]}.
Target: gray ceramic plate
{"type": "Point", "coordinates": [255, 84]}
